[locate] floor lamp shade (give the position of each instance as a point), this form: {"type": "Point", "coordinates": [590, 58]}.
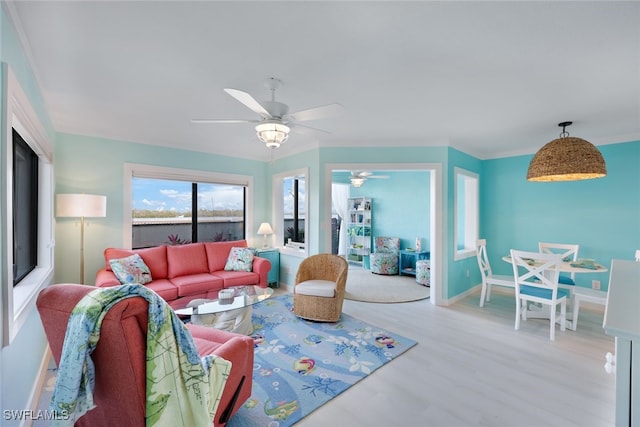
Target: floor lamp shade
{"type": "Point", "coordinates": [81, 206]}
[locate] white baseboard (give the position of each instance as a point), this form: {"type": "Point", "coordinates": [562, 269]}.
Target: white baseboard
{"type": "Point", "coordinates": [36, 391]}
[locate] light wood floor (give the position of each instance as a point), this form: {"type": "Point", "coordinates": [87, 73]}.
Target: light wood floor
{"type": "Point", "coordinates": [471, 368]}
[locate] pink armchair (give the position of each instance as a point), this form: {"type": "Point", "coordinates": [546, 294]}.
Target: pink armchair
{"type": "Point", "coordinates": [119, 357]}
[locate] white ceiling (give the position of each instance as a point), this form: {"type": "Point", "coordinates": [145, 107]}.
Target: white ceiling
{"type": "Point", "coordinates": [489, 78]}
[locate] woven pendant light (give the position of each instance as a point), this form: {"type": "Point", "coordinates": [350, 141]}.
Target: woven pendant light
{"type": "Point", "coordinates": [567, 159]}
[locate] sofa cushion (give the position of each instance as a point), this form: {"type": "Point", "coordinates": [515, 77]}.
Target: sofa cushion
{"type": "Point", "coordinates": [155, 258]}
{"type": "Point", "coordinates": [163, 287]}
{"type": "Point", "coordinates": [197, 283]}
{"type": "Point", "coordinates": [240, 259]}
{"type": "Point", "coordinates": [184, 260]}
{"type": "Point", "coordinates": [238, 278]}
{"type": "Point", "coordinates": [131, 269]}
{"type": "Point", "coordinates": [218, 252]}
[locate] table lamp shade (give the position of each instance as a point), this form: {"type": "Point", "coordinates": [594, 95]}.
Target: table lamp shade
{"type": "Point", "coordinates": [81, 205]}
{"type": "Point", "coordinates": [265, 229]}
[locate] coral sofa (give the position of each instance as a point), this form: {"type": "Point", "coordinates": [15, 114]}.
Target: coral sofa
{"type": "Point", "coordinates": [120, 357]}
{"type": "Point", "coordinates": [181, 273]}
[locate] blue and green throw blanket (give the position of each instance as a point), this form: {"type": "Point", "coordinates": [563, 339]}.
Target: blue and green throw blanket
{"type": "Point", "coordinates": [182, 388]}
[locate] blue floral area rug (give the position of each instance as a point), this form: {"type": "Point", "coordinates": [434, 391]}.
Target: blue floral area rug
{"type": "Point", "coordinates": [301, 365]}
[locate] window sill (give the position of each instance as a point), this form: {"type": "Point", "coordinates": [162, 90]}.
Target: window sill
{"type": "Point", "coordinates": [24, 298]}
{"type": "Point", "coordinates": [300, 253]}
{"type": "Point", "coordinates": [463, 254]}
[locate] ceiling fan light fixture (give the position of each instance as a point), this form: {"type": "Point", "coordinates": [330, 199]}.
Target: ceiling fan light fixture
{"type": "Point", "coordinates": [357, 182]}
{"type": "Point", "coordinates": [566, 159]}
{"type": "Point", "coordinates": [272, 133]}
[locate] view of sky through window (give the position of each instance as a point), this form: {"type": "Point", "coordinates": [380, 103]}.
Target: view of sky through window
{"type": "Point", "coordinates": [175, 196]}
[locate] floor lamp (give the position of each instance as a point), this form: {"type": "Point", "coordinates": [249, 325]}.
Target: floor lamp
{"type": "Point", "coordinates": [81, 206]}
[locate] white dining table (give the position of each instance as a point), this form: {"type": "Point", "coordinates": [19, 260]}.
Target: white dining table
{"type": "Point", "coordinates": [565, 267]}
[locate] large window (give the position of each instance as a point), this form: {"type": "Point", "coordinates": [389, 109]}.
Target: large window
{"type": "Point", "coordinates": [178, 206]}
{"type": "Point", "coordinates": [25, 208]}
{"type": "Point", "coordinates": [290, 209]}
{"type": "Point", "coordinates": [26, 202]}
{"type": "Point", "coordinates": [177, 212]}
{"type": "Point", "coordinates": [466, 213]}
{"type": "Point", "coordinates": [293, 190]}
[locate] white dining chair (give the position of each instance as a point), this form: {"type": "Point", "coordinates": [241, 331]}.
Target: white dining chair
{"type": "Point", "coordinates": [537, 282]}
{"type": "Point", "coordinates": [638, 255]}
{"type": "Point", "coordinates": [568, 252]}
{"type": "Point", "coordinates": [488, 278]}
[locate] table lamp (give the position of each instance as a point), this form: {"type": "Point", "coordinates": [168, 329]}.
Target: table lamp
{"type": "Point", "coordinates": [81, 206]}
{"type": "Point", "coordinates": [265, 230]}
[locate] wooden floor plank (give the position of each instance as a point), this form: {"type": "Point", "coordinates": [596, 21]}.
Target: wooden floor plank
{"type": "Point", "coordinates": [471, 368]}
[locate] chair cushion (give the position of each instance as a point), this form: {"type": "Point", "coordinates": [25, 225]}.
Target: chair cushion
{"type": "Point", "coordinates": [316, 288]}
{"type": "Point", "coordinates": [387, 244]}
{"type": "Point", "coordinates": [566, 280]}
{"type": "Point", "coordinates": [542, 293]}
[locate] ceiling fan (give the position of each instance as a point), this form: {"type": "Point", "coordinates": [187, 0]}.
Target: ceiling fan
{"type": "Point", "coordinates": [358, 178]}
{"type": "Point", "coordinates": [275, 121]}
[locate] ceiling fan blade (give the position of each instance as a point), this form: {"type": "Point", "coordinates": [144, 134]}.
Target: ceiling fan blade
{"type": "Point", "coordinates": [297, 127]}
{"type": "Point", "coordinates": [223, 121]}
{"type": "Point", "coordinates": [315, 113]}
{"type": "Point", "coordinates": [249, 101]}
{"type": "Point", "coordinates": [378, 176]}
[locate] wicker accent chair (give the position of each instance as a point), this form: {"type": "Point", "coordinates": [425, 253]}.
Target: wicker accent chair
{"type": "Point", "coordinates": [319, 288]}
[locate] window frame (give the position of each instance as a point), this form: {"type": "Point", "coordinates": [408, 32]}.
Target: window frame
{"type": "Point", "coordinates": [190, 175]}
{"type": "Point", "coordinates": [470, 215]}
{"type": "Point", "coordinates": [18, 301]}
{"type": "Point", "coordinates": [278, 211]}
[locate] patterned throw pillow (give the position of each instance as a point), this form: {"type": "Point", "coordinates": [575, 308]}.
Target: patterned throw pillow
{"type": "Point", "coordinates": [131, 269]}
{"type": "Point", "coordinates": [240, 259]}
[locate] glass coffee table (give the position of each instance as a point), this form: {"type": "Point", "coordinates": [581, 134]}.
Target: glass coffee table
{"type": "Point", "coordinates": [229, 314]}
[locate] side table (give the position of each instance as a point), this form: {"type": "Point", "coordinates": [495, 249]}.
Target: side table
{"type": "Point", "coordinates": [273, 255]}
{"type": "Point", "coordinates": [407, 262]}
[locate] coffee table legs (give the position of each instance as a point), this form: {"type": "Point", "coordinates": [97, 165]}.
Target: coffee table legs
{"type": "Point", "coordinates": [237, 320]}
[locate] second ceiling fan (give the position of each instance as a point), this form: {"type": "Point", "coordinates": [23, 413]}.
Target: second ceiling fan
{"type": "Point", "coordinates": [275, 121]}
{"type": "Point", "coordinates": [358, 178]}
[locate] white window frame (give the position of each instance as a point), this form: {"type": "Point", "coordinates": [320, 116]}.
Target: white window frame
{"type": "Point", "coordinates": [190, 175]}
{"type": "Point", "coordinates": [278, 212]}
{"type": "Point", "coordinates": [470, 216]}
{"type": "Point", "coordinates": [19, 301]}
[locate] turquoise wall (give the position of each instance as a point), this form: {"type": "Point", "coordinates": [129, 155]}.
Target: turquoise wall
{"type": "Point", "coordinates": [96, 165]}
{"type": "Point", "coordinates": [463, 274]}
{"type": "Point", "coordinates": [20, 361]}
{"type": "Point", "coordinates": [400, 205]}
{"type": "Point", "coordinates": [601, 215]}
